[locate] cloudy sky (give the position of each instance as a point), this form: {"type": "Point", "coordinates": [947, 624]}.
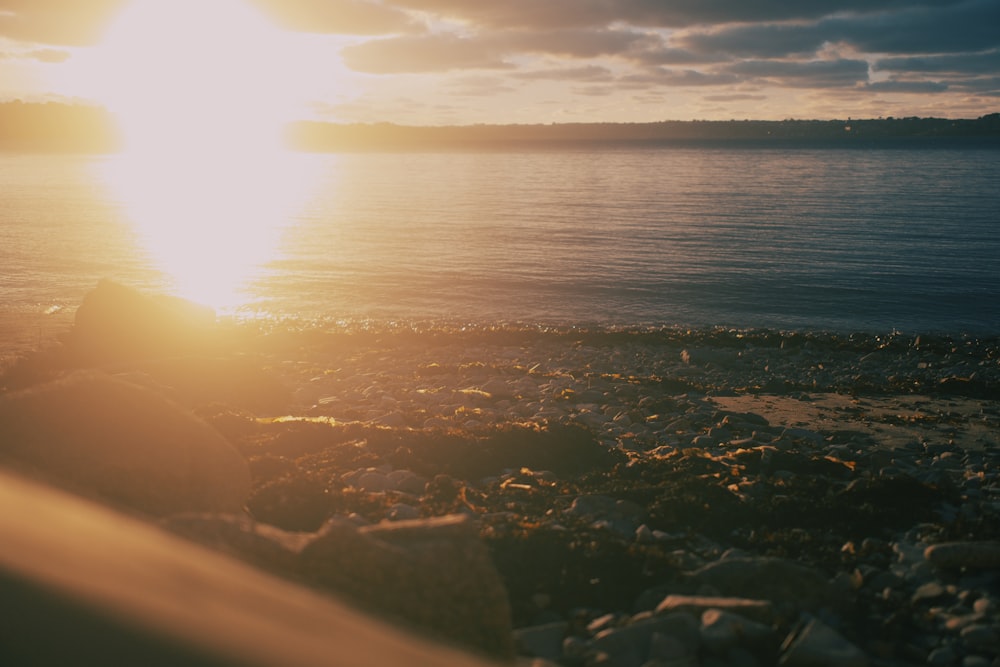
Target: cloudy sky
{"type": "Point", "coordinates": [517, 61]}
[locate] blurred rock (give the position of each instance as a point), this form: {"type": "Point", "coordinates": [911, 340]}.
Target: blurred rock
{"type": "Point", "coordinates": [979, 555]}
{"type": "Point", "coordinates": [123, 444]}
{"type": "Point", "coordinates": [435, 574]}
{"type": "Point", "coordinates": [818, 645]}
{"type": "Point", "coordinates": [115, 323]}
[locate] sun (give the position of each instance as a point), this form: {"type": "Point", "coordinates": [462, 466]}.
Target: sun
{"type": "Point", "coordinates": [202, 90]}
{"type": "Point", "coordinates": [208, 74]}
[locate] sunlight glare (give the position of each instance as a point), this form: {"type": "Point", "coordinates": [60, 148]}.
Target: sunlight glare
{"type": "Point", "coordinates": [201, 90]}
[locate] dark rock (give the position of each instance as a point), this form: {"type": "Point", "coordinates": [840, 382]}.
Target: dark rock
{"type": "Point", "coordinates": [761, 611]}
{"type": "Point", "coordinates": [542, 641]}
{"type": "Point", "coordinates": [818, 645]}
{"type": "Point", "coordinates": [115, 322]}
{"type": "Point", "coordinates": [83, 585]}
{"type": "Point", "coordinates": [123, 444]}
{"type": "Point", "coordinates": [979, 555]}
{"type": "Point", "coordinates": [631, 644]}
{"type": "Point", "coordinates": [773, 579]}
{"type": "Point", "coordinates": [433, 574]}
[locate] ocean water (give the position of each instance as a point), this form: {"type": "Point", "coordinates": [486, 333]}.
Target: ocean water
{"type": "Point", "coordinates": [873, 240]}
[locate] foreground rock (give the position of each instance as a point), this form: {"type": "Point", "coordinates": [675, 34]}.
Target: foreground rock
{"type": "Point", "coordinates": [123, 444]}
{"type": "Point", "coordinates": [434, 575]}
{"type": "Point", "coordinates": [83, 585]}
{"type": "Point", "coordinates": [115, 322]}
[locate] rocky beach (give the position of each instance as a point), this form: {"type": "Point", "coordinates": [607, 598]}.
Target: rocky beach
{"type": "Point", "coordinates": [554, 496]}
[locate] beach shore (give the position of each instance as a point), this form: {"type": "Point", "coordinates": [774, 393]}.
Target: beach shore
{"type": "Point", "coordinates": [616, 477]}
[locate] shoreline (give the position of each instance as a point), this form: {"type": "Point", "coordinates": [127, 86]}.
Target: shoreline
{"type": "Point", "coordinates": [609, 471]}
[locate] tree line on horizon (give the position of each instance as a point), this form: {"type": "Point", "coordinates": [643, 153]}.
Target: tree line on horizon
{"type": "Point", "coordinates": [53, 126]}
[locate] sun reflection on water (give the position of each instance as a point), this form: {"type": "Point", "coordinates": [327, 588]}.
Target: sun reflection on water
{"type": "Point", "coordinates": [210, 221]}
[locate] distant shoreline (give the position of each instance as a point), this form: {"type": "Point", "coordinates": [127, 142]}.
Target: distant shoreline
{"type": "Point", "coordinates": [53, 127]}
{"type": "Point", "coordinates": [311, 136]}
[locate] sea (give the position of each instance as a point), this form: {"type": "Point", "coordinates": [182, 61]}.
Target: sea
{"type": "Point", "coordinates": [900, 238]}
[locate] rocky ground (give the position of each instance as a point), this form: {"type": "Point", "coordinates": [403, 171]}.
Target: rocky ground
{"type": "Point", "coordinates": [648, 497]}
{"type": "Point", "coordinates": [625, 482]}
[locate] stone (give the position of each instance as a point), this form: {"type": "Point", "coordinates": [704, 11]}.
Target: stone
{"type": "Point", "coordinates": [433, 574]}
{"type": "Point", "coordinates": [92, 586]}
{"type": "Point", "coordinates": [621, 516]}
{"type": "Point", "coordinates": [818, 645]}
{"type": "Point", "coordinates": [953, 555]}
{"type": "Point", "coordinates": [542, 641]}
{"type": "Point", "coordinates": [723, 630]}
{"type": "Point", "coordinates": [980, 637]}
{"type": "Point", "coordinates": [122, 444]}
{"type": "Point", "coordinates": [943, 656]}
{"type": "Point", "coordinates": [115, 322]}
{"type": "Point", "coordinates": [761, 611]}
{"type": "Point", "coordinates": [928, 592]}
{"type": "Point", "coordinates": [237, 381]}
{"type": "Point", "coordinates": [631, 643]}
{"type": "Point", "coordinates": [774, 579]}
{"type": "Point", "coordinates": [270, 548]}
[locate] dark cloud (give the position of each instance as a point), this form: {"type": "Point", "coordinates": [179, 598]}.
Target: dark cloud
{"type": "Point", "coordinates": [809, 74]}
{"type": "Point", "coordinates": [896, 86]}
{"type": "Point", "coordinates": [57, 22]}
{"type": "Point", "coordinates": [424, 53]}
{"type": "Point", "coordinates": [665, 55]}
{"type": "Point", "coordinates": [951, 28]}
{"type": "Point", "coordinates": [963, 63]}
{"type": "Point", "coordinates": [647, 13]}
{"type": "Point", "coordinates": [347, 17]}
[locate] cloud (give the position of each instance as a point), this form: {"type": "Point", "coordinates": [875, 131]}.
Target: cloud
{"type": "Point", "coordinates": [346, 17]}
{"type": "Point", "coordinates": [423, 53]}
{"type": "Point", "coordinates": [41, 55]}
{"type": "Point", "coordinates": [573, 43]}
{"type": "Point", "coordinates": [648, 13]}
{"type": "Point", "coordinates": [665, 76]}
{"type": "Point", "coordinates": [586, 73]}
{"type": "Point", "coordinates": [57, 22]}
{"type": "Point", "coordinates": [666, 55]}
{"type": "Point", "coordinates": [963, 63]}
{"type": "Point", "coordinates": [947, 28]}
{"type": "Point", "coordinates": [810, 74]}
{"type": "Point", "coordinates": [898, 86]}
{"type": "Point", "coordinates": [734, 97]}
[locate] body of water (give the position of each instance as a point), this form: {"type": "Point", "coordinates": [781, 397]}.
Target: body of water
{"type": "Point", "coordinates": [803, 238]}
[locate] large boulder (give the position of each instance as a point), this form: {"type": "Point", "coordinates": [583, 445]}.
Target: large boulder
{"type": "Point", "coordinates": [123, 444]}
{"type": "Point", "coordinates": [433, 575]}
{"type": "Point", "coordinates": [115, 322]}
{"type": "Point", "coordinates": [83, 585]}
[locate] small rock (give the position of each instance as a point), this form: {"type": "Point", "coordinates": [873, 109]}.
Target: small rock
{"type": "Point", "coordinates": [773, 579]}
{"type": "Point", "coordinates": [541, 641]}
{"type": "Point", "coordinates": [981, 638]}
{"type": "Point", "coordinates": [723, 630]}
{"type": "Point", "coordinates": [978, 555]}
{"type": "Point", "coordinates": [757, 610]}
{"type": "Point", "coordinates": [942, 657]}
{"type": "Point", "coordinates": [818, 645]}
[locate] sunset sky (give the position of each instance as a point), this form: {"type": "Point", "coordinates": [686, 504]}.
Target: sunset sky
{"type": "Point", "coordinates": [438, 62]}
